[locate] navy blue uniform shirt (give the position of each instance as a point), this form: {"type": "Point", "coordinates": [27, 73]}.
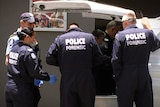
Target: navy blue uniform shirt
{"type": "Point", "coordinates": [23, 64]}
{"type": "Point", "coordinates": [132, 48]}
{"type": "Point", "coordinates": [74, 50]}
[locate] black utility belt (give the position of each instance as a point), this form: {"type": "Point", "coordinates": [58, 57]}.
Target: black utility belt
{"type": "Point", "coordinates": [10, 77]}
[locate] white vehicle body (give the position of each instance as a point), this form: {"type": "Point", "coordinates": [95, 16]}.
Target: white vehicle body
{"type": "Point", "coordinates": [108, 12]}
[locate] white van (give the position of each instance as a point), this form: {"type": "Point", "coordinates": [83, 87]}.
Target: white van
{"type": "Point", "coordinates": [106, 12]}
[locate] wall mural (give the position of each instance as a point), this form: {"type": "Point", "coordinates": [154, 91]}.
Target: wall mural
{"type": "Point", "coordinates": [49, 21]}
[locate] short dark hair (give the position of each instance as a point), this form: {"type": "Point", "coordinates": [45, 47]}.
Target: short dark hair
{"type": "Point", "coordinates": [97, 33]}
{"type": "Point", "coordinates": [74, 24]}
{"type": "Point", "coordinates": [24, 32]}
{"type": "Point", "coordinates": [111, 24]}
{"type": "Point", "coordinates": [139, 14]}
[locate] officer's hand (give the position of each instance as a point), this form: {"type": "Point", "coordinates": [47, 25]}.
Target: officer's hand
{"type": "Point", "coordinates": [53, 79]}
{"type": "Point", "coordinates": [146, 23]}
{"type": "Point", "coordinates": [38, 82]}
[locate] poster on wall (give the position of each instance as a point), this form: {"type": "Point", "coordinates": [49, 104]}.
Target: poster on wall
{"type": "Point", "coordinates": [49, 21]}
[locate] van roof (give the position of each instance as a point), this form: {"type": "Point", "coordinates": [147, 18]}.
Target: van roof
{"type": "Point", "coordinates": [87, 8]}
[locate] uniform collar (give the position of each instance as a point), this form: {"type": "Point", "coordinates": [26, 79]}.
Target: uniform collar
{"type": "Point", "coordinates": [22, 43]}
{"type": "Point", "coordinates": [131, 26]}
{"type": "Point", "coordinates": [19, 29]}
{"type": "Point", "coordinates": [75, 29]}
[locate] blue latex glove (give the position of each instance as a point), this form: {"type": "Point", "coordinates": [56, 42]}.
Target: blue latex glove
{"type": "Point", "coordinates": [38, 82]}
{"type": "Point", "coordinates": [53, 79]}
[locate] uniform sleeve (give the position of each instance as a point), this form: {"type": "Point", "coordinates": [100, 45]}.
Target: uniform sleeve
{"type": "Point", "coordinates": [11, 41]}
{"type": "Point", "coordinates": [52, 53]}
{"type": "Point", "coordinates": [33, 67]}
{"type": "Point", "coordinates": [116, 58]}
{"type": "Point", "coordinates": [97, 54]}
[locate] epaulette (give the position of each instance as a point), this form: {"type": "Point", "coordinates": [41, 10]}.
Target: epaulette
{"type": "Point", "coordinates": [106, 39]}
{"type": "Point", "coordinates": [30, 49]}
{"type": "Point", "coordinates": [13, 34]}
{"type": "Point", "coordinates": [33, 56]}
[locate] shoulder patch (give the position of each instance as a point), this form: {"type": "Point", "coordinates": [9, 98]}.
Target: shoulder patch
{"type": "Point", "coordinates": [33, 56]}
{"type": "Point", "coordinates": [11, 41]}
{"type": "Point", "coordinates": [105, 39]}
{"type": "Point", "coordinates": [30, 49]}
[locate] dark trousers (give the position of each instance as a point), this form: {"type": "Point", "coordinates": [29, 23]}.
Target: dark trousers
{"type": "Point", "coordinates": [37, 96]}
{"type": "Point", "coordinates": [77, 91]}
{"type": "Point", "coordinates": [134, 86]}
{"type": "Point", "coordinates": [17, 95]}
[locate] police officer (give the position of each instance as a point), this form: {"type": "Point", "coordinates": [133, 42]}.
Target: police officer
{"type": "Point", "coordinates": [131, 51]}
{"type": "Point", "coordinates": [100, 72]}
{"type": "Point", "coordinates": [75, 52]}
{"type": "Point", "coordinates": [23, 67]}
{"type": "Point", "coordinates": [26, 20]}
{"type": "Point", "coordinates": [109, 87]}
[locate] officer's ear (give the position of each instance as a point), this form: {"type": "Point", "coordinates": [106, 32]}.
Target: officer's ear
{"type": "Point", "coordinates": [21, 35]}
{"type": "Point", "coordinates": [113, 29]}
{"type": "Point", "coordinates": [27, 36]}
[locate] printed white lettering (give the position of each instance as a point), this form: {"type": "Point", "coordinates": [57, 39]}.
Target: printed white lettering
{"type": "Point", "coordinates": [13, 55]}
{"type": "Point", "coordinates": [11, 61]}
{"type": "Point", "coordinates": [75, 44]}
{"type": "Point", "coordinates": [79, 47]}
{"type": "Point", "coordinates": [136, 39]}
{"type": "Point", "coordinates": [135, 36]}
{"type": "Point", "coordinates": [136, 42]}
{"type": "Point", "coordinates": [75, 41]}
